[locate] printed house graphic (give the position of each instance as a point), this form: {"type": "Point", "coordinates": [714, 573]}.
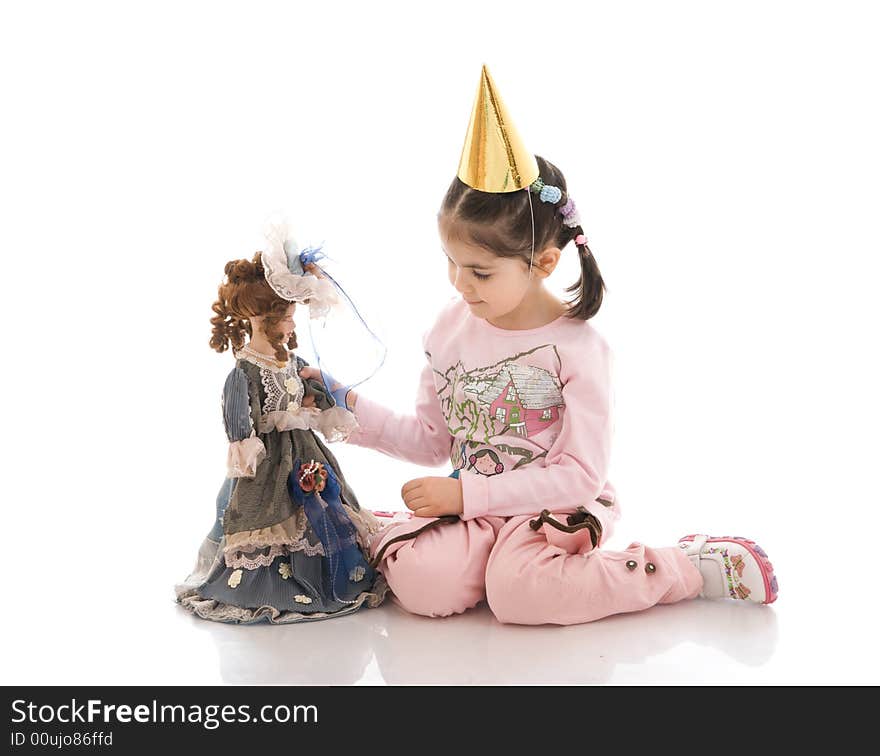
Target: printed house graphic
{"type": "Point", "coordinates": [524, 397]}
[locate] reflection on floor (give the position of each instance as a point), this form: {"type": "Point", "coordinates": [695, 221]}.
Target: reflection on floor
{"type": "Point", "coordinates": [387, 645]}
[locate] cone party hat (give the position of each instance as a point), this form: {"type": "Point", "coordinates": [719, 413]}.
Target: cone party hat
{"type": "Point", "coordinates": [494, 158]}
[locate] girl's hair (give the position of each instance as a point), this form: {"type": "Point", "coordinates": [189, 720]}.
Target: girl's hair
{"type": "Point", "coordinates": [502, 224]}
{"type": "Point", "coordinates": [246, 294]}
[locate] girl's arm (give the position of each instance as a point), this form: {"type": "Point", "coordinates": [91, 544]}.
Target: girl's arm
{"type": "Point", "coordinates": [577, 463]}
{"type": "Point", "coordinates": [246, 449]}
{"type": "Point", "coordinates": [422, 439]}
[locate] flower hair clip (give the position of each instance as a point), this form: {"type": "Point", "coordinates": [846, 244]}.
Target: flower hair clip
{"type": "Point", "coordinates": [546, 192]}
{"type": "Point", "coordinates": [553, 194]}
{"type": "Point", "coordinates": [570, 215]}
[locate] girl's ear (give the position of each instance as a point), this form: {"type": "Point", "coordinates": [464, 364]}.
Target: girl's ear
{"type": "Point", "coordinates": [547, 260]}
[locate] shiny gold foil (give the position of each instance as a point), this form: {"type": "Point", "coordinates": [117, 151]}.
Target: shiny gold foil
{"type": "Point", "coordinates": [494, 158]}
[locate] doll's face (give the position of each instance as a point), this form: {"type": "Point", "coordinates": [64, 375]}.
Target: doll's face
{"type": "Point", "coordinates": [285, 325]}
{"type": "Point", "coordinates": [492, 286]}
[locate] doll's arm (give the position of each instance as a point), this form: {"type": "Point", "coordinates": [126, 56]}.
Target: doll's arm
{"type": "Point", "coordinates": [422, 439]}
{"type": "Point", "coordinates": [334, 421]}
{"type": "Point", "coordinates": [576, 468]}
{"type": "Point", "coordinates": [246, 449]}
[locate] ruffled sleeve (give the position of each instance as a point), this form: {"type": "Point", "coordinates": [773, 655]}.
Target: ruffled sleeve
{"type": "Point", "coordinates": [334, 422]}
{"type": "Point", "coordinates": [246, 449]}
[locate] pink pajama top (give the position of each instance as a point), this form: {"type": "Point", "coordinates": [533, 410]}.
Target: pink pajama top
{"type": "Point", "coordinates": [524, 416]}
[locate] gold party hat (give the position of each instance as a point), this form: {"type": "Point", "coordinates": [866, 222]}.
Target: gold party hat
{"type": "Point", "coordinates": [494, 158]}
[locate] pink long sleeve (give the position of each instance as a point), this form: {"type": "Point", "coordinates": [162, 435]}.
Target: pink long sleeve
{"type": "Point", "coordinates": [524, 416]}
{"type": "Point", "coordinates": [575, 469]}
{"type": "Point", "coordinates": [422, 439]}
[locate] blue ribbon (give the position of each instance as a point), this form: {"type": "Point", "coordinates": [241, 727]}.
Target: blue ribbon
{"type": "Point", "coordinates": [310, 256]}
{"type": "Point", "coordinates": [343, 558]}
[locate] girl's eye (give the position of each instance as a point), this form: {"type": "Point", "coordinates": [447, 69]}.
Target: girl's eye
{"type": "Point", "coordinates": [482, 276]}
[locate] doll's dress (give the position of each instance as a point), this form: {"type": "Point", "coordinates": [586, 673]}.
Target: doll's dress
{"type": "Point", "coordinates": [290, 541]}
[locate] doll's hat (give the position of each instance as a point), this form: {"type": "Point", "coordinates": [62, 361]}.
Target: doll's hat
{"type": "Point", "coordinates": [494, 158]}
{"type": "Point", "coordinates": [284, 268]}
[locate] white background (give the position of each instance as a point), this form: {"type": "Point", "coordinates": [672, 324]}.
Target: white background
{"type": "Point", "coordinates": [725, 161]}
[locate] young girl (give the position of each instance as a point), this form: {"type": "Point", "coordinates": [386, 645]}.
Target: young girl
{"type": "Point", "coordinates": [517, 376]}
{"type": "Point", "coordinates": [289, 541]}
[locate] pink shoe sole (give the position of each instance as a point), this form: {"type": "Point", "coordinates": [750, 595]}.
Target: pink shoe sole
{"type": "Point", "coordinates": [771, 586]}
{"type": "Point", "coordinates": [388, 517]}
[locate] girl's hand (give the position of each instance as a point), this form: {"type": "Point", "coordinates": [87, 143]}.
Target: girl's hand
{"type": "Point", "coordinates": [349, 400]}
{"type": "Point", "coordinates": [433, 497]}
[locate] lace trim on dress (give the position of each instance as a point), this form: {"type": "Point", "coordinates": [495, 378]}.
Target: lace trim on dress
{"type": "Point", "coordinates": [287, 531]}
{"type": "Point", "coordinates": [280, 385]}
{"type": "Point", "coordinates": [336, 424]}
{"type": "Point", "coordinates": [212, 609]}
{"type": "Point", "coordinates": [280, 380]}
{"type": "Point", "coordinates": [305, 418]}
{"type": "Point", "coordinates": [243, 457]}
{"type": "Point", "coordinates": [291, 533]}
{"type": "Point", "coordinates": [253, 561]}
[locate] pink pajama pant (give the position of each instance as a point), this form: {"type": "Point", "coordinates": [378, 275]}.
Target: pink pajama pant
{"type": "Point", "coordinates": [528, 577]}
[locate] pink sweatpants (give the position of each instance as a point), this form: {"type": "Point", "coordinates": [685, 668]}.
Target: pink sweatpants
{"type": "Point", "coordinates": [528, 577]}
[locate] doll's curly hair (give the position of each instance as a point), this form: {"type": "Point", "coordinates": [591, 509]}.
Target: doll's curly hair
{"type": "Point", "coordinates": [245, 294]}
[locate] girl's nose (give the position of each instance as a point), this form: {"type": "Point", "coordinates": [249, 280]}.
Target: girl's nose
{"type": "Point", "coordinates": [458, 281]}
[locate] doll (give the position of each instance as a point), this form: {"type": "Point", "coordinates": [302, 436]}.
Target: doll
{"type": "Point", "coordinates": [289, 542]}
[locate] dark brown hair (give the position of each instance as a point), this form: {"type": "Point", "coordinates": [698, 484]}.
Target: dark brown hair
{"type": "Point", "coordinates": [245, 294]}
{"type": "Point", "coordinates": [502, 224]}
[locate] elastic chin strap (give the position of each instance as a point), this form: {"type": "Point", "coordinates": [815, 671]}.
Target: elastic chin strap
{"type": "Point", "coordinates": [532, 216]}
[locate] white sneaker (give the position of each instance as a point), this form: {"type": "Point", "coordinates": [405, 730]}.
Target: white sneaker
{"type": "Point", "coordinates": [732, 567]}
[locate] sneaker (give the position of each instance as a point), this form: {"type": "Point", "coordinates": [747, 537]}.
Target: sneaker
{"type": "Point", "coordinates": [732, 567]}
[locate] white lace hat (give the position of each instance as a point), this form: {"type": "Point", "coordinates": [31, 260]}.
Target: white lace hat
{"type": "Point", "coordinates": [283, 264]}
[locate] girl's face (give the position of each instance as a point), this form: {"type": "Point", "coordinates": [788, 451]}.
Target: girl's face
{"type": "Point", "coordinates": [492, 286]}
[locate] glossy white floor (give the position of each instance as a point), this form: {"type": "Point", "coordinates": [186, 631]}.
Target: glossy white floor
{"type": "Point", "coordinates": [116, 623]}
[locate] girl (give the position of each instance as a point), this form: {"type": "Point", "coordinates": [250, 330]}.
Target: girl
{"type": "Point", "coordinates": [516, 372]}
{"type": "Point", "coordinates": [289, 541]}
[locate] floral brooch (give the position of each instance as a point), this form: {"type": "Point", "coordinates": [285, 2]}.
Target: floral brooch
{"type": "Point", "coordinates": [312, 477]}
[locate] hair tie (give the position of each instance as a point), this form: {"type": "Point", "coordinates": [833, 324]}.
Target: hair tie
{"type": "Point", "coordinates": [580, 240]}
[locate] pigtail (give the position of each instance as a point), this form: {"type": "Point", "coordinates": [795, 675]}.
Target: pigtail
{"type": "Point", "coordinates": [590, 287]}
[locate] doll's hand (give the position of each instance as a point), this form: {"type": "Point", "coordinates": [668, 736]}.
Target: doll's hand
{"type": "Point", "coordinates": [433, 497]}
